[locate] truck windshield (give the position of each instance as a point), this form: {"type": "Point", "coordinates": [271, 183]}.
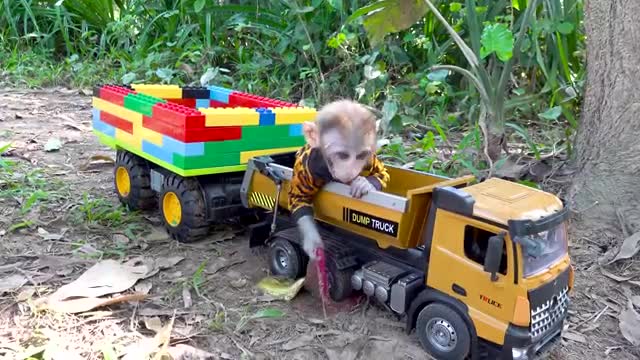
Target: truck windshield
{"type": "Point", "coordinates": [543, 249]}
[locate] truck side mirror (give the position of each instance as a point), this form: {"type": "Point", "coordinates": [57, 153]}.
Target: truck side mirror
{"type": "Point", "coordinates": [493, 257]}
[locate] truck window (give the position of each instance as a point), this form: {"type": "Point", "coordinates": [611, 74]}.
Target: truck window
{"type": "Point", "coordinates": [475, 246]}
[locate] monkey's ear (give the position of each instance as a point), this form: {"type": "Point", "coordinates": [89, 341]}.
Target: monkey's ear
{"type": "Point", "coordinates": [310, 131]}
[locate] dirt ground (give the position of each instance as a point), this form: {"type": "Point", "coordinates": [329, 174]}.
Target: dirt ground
{"type": "Point", "coordinates": [211, 289]}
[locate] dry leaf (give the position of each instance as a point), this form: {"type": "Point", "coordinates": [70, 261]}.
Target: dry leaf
{"type": "Point", "coordinates": [186, 297]}
{"type": "Point", "coordinates": [105, 277]}
{"type": "Point", "coordinates": [96, 160]}
{"type": "Point", "coordinates": [629, 248]}
{"type": "Point", "coordinates": [87, 303]}
{"type": "Point", "coordinates": [12, 282]}
{"type": "Point", "coordinates": [298, 341]}
{"type": "Point", "coordinates": [143, 287]}
{"type": "Point", "coordinates": [630, 325]}
{"type": "Point", "coordinates": [26, 294]}
{"type": "Point", "coordinates": [186, 352]}
{"type": "Point", "coordinates": [153, 323]}
{"type": "Point", "coordinates": [616, 277]}
{"type": "Point", "coordinates": [570, 335]}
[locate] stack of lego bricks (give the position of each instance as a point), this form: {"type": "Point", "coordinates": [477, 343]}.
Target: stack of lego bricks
{"type": "Point", "coordinates": [196, 130]}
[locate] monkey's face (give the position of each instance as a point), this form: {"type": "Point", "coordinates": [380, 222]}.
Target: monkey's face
{"type": "Point", "coordinates": [346, 156]}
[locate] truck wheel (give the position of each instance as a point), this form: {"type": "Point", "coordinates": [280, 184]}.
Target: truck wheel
{"type": "Point", "coordinates": [132, 181]}
{"type": "Point", "coordinates": [339, 280]}
{"type": "Point", "coordinates": [286, 259]}
{"type": "Point", "coordinates": [443, 333]}
{"type": "Point", "coordinates": [183, 209]}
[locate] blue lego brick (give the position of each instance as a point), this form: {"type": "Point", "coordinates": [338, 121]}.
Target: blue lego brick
{"type": "Point", "coordinates": [295, 130]}
{"type": "Point", "coordinates": [219, 94]}
{"type": "Point", "coordinates": [202, 103]}
{"type": "Point", "coordinates": [267, 117]}
{"type": "Point", "coordinates": [172, 145]}
{"type": "Point", "coordinates": [102, 126]}
{"type": "Point", "coordinates": [157, 152]}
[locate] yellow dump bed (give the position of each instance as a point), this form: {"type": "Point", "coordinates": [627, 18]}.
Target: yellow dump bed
{"type": "Point", "coordinates": [393, 217]}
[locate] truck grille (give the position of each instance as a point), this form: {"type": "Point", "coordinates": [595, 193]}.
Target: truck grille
{"type": "Point", "coordinates": [548, 314]}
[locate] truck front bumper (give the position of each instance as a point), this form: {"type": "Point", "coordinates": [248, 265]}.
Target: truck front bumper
{"type": "Point", "coordinates": [518, 344]}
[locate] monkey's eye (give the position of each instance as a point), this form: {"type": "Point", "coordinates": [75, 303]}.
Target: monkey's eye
{"type": "Point", "coordinates": [342, 155]}
{"type": "Point", "coordinates": [363, 155]}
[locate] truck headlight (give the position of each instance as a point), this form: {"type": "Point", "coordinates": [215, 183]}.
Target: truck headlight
{"type": "Point", "coordinates": [520, 353]}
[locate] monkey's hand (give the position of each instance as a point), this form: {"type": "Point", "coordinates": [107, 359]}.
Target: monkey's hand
{"type": "Point", "coordinates": [310, 236]}
{"type": "Point", "coordinates": [360, 187]}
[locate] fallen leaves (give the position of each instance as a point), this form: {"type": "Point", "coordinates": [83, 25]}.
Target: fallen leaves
{"type": "Point", "coordinates": [629, 248]}
{"type": "Point", "coordinates": [53, 144]}
{"type": "Point", "coordinates": [630, 324]}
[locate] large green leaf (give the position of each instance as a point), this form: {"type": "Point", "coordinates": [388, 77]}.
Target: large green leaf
{"type": "Point", "coordinates": [499, 39]}
{"type": "Point", "coordinates": [396, 15]}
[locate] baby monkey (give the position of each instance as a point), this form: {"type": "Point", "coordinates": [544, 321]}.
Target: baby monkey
{"type": "Point", "coordinates": [341, 146]}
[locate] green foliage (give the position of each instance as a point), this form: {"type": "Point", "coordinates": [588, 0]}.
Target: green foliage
{"type": "Point", "coordinates": [381, 53]}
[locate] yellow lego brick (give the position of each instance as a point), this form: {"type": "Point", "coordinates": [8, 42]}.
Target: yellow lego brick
{"type": "Point", "coordinates": [129, 139]}
{"type": "Point", "coordinates": [119, 111]}
{"type": "Point", "coordinates": [240, 116]}
{"type": "Point", "coordinates": [149, 135]}
{"type": "Point", "coordinates": [161, 91]}
{"type": "Point", "coordinates": [246, 155]}
{"type": "Point", "coordinates": [294, 115]}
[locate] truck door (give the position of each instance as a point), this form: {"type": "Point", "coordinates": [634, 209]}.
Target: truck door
{"type": "Point", "coordinates": [456, 267]}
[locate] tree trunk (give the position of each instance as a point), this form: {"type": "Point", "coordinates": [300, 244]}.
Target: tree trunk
{"type": "Point", "coordinates": [608, 141]}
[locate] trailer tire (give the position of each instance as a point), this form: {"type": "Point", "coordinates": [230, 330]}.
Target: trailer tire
{"type": "Point", "coordinates": [286, 259]}
{"type": "Point", "coordinates": [183, 209]}
{"type": "Point", "coordinates": [443, 333]}
{"type": "Point", "coordinates": [339, 280]}
{"type": "Point", "coordinates": [132, 182]}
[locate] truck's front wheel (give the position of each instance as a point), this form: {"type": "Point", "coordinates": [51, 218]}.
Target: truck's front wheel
{"type": "Point", "coordinates": [286, 259]}
{"type": "Point", "coordinates": [443, 333]}
{"type": "Point", "coordinates": [183, 209]}
{"type": "Point", "coordinates": [132, 183]}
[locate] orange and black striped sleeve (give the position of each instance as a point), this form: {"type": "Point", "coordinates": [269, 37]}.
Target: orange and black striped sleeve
{"type": "Point", "coordinates": [377, 173]}
{"type": "Point", "coordinates": [304, 185]}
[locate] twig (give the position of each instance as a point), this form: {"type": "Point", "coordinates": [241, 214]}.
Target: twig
{"type": "Point", "coordinates": [623, 223]}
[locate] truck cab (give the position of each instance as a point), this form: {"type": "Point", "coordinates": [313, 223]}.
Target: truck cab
{"type": "Point", "coordinates": [470, 266]}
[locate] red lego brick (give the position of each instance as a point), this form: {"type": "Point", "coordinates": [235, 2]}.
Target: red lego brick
{"type": "Point", "coordinates": [193, 134]}
{"type": "Point", "coordinates": [178, 116]}
{"type": "Point", "coordinates": [218, 104]}
{"type": "Point", "coordinates": [190, 103]}
{"type": "Point", "coordinates": [239, 99]}
{"type": "Point", "coordinates": [115, 94]}
{"type": "Point", "coordinates": [118, 122]}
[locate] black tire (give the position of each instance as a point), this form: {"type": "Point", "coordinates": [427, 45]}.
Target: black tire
{"type": "Point", "coordinates": [192, 225]}
{"type": "Point", "coordinates": [286, 259]}
{"type": "Point", "coordinates": [436, 319]}
{"type": "Point", "coordinates": [339, 280]}
{"type": "Point", "coordinates": [136, 171]}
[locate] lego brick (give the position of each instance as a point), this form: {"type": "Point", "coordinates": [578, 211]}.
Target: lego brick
{"type": "Point", "coordinates": [148, 134]}
{"type": "Point", "coordinates": [190, 103]}
{"type": "Point", "coordinates": [101, 126]}
{"type": "Point", "coordinates": [295, 130]}
{"type": "Point", "coordinates": [237, 98]}
{"type": "Point", "coordinates": [294, 115]}
{"type": "Point", "coordinates": [246, 155]}
{"type": "Point", "coordinates": [119, 111]}
{"type": "Point", "coordinates": [265, 132]}
{"type": "Point", "coordinates": [219, 94]}
{"type": "Point", "coordinates": [157, 152]}
{"type": "Point", "coordinates": [202, 103]}
{"type": "Point", "coordinates": [127, 138]}
{"type": "Point", "coordinates": [141, 103]}
{"type": "Point", "coordinates": [267, 117]}
{"type": "Point", "coordinates": [105, 139]}
{"type": "Point", "coordinates": [218, 104]}
{"type": "Point", "coordinates": [185, 149]}
{"type": "Point", "coordinates": [114, 94]}
{"type": "Point", "coordinates": [231, 116]}
{"type": "Point", "coordinates": [159, 90]}
{"type": "Point", "coordinates": [195, 92]}
{"type": "Point", "coordinates": [117, 122]}
{"type": "Point", "coordinates": [178, 116]}
{"type": "Point", "coordinates": [193, 134]}
{"type": "Point", "coordinates": [196, 162]}
{"type": "Point", "coordinates": [196, 172]}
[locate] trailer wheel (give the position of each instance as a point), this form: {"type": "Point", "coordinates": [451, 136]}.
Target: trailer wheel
{"type": "Point", "coordinates": [132, 181]}
{"type": "Point", "coordinates": [443, 333]}
{"type": "Point", "coordinates": [183, 209]}
{"type": "Point", "coordinates": [286, 259]}
{"type": "Point", "coordinates": [339, 280]}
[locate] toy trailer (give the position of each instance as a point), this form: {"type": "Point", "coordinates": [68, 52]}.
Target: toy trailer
{"type": "Point", "coordinates": [466, 265]}
{"type": "Point", "coordinates": [184, 149]}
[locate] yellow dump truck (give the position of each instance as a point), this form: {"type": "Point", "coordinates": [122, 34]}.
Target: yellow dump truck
{"type": "Point", "coordinates": [475, 268]}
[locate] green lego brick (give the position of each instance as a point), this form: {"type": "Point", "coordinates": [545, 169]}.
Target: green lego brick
{"type": "Point", "coordinates": [264, 132]}
{"type": "Point", "coordinates": [204, 161]}
{"type": "Point", "coordinates": [213, 148]}
{"type": "Point", "coordinates": [141, 103]}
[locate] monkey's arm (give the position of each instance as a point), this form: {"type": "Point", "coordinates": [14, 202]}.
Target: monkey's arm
{"type": "Point", "coordinates": [303, 188]}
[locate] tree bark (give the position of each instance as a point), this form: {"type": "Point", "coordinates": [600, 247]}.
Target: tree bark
{"type": "Point", "coordinates": [608, 140]}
